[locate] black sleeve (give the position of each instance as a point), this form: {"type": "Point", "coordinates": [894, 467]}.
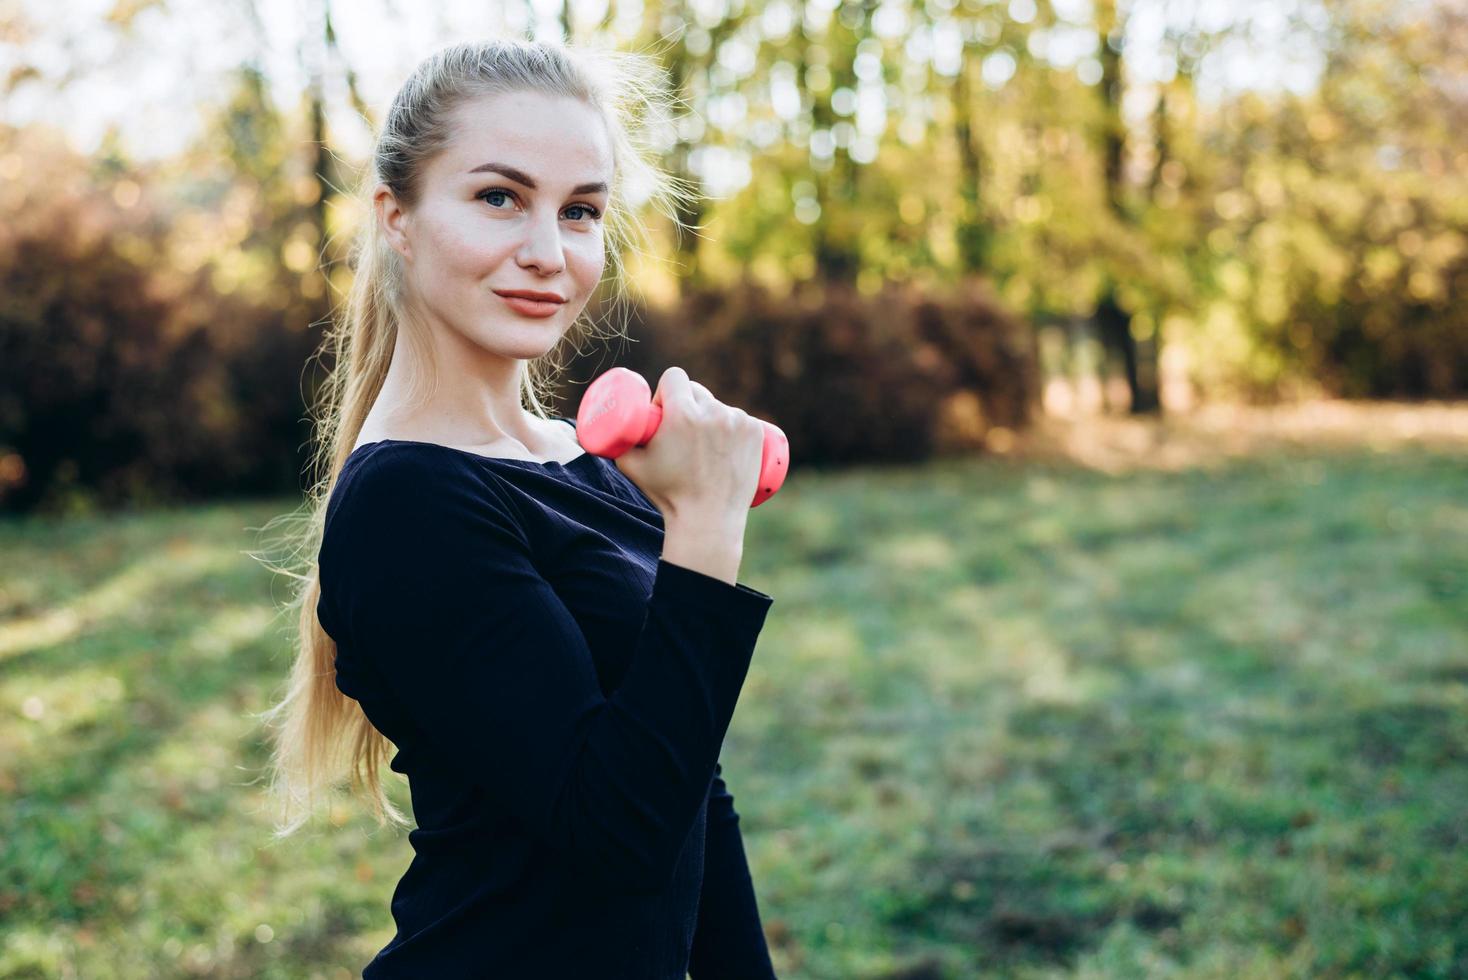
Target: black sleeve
{"type": "Point", "coordinates": [728, 941]}
{"type": "Point", "coordinates": [436, 588]}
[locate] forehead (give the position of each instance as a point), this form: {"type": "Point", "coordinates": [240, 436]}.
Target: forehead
{"type": "Point", "coordinates": [559, 141]}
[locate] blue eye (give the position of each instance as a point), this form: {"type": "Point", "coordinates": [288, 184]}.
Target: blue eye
{"type": "Point", "coordinates": [484, 195]}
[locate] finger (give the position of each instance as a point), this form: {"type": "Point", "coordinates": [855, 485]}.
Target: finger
{"type": "Point", "coordinates": [673, 386]}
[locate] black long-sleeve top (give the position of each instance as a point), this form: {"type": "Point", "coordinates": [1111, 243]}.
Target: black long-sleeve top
{"type": "Point", "coordinates": [557, 694]}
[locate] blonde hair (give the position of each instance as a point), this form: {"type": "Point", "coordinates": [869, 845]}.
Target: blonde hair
{"type": "Point", "coordinates": [319, 736]}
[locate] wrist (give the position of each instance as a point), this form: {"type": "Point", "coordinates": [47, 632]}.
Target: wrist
{"type": "Point", "coordinates": [707, 522]}
{"type": "Point", "coordinates": [708, 546]}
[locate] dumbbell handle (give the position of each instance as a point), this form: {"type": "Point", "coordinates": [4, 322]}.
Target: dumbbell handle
{"type": "Point", "coordinates": [654, 419]}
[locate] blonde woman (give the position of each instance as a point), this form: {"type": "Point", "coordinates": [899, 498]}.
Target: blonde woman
{"type": "Point", "coordinates": [553, 642]}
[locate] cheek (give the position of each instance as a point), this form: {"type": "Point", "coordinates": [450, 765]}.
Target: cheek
{"type": "Point", "coordinates": [465, 247]}
{"type": "Point", "coordinates": [586, 253]}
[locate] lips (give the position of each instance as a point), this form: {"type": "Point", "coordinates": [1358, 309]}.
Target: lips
{"type": "Point", "coordinates": [531, 294]}
{"type": "Point", "coordinates": [525, 306]}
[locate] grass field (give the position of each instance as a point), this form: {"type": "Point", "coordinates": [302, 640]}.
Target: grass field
{"type": "Point", "coordinates": [1008, 717]}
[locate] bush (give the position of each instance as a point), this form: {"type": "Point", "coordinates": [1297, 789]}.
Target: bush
{"type": "Point", "coordinates": [124, 381]}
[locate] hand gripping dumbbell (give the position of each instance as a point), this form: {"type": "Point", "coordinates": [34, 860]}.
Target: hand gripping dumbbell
{"type": "Point", "coordinates": [617, 412]}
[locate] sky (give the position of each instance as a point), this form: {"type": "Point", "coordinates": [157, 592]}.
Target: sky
{"type": "Point", "coordinates": [149, 81]}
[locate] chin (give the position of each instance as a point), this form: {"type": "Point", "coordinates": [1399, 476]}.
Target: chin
{"type": "Point", "coordinates": [548, 334]}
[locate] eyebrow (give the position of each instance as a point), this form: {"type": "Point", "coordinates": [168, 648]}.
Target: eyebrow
{"type": "Point", "coordinates": [521, 177]}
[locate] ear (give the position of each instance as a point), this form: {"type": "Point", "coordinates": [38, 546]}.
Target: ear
{"type": "Point", "coordinates": [391, 220]}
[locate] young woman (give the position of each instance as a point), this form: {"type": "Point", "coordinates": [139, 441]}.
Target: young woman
{"type": "Point", "coordinates": [553, 642]}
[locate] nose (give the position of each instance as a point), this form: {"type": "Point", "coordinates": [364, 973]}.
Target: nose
{"type": "Point", "coordinates": [541, 249]}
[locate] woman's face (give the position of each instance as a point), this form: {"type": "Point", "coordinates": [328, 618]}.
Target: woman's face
{"type": "Point", "coordinates": [479, 226]}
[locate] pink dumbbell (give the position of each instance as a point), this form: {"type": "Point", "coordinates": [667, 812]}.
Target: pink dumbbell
{"type": "Point", "coordinates": [617, 412]}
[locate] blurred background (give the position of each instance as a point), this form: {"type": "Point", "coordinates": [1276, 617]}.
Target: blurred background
{"type": "Point", "coordinates": [1123, 566]}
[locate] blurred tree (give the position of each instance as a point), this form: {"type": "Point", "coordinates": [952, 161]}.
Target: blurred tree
{"type": "Point", "coordinates": [1283, 240]}
{"type": "Point", "coordinates": [1334, 222]}
{"type": "Point", "coordinates": [701, 30]}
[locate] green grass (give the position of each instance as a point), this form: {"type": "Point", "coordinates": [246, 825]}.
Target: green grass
{"type": "Point", "coordinates": [1028, 721]}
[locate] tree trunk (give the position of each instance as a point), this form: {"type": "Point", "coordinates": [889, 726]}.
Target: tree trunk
{"type": "Point", "coordinates": [1113, 322]}
{"type": "Point", "coordinates": [972, 232]}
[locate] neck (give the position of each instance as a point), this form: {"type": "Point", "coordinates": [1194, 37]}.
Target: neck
{"type": "Point", "coordinates": [476, 400]}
